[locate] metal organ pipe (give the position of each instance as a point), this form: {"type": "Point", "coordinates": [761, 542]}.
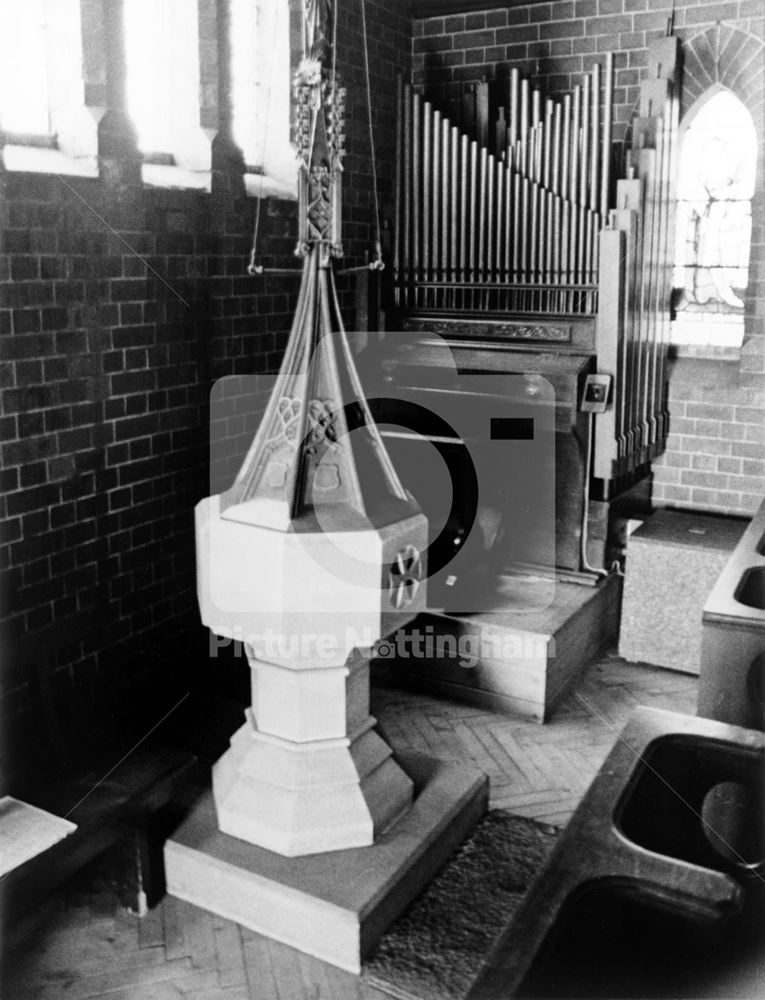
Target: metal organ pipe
{"type": "Point", "coordinates": [472, 214]}
{"type": "Point", "coordinates": [565, 146]}
{"type": "Point", "coordinates": [487, 262]}
{"type": "Point", "coordinates": [573, 188]}
{"type": "Point", "coordinates": [608, 99]}
{"type": "Point", "coordinates": [499, 187]}
{"type": "Point", "coordinates": [480, 264]}
{"type": "Point", "coordinates": [534, 213]}
{"type": "Point", "coordinates": [555, 183]}
{"type": "Point", "coordinates": [512, 135]}
{"type": "Point", "coordinates": [397, 187]}
{"type": "Point", "coordinates": [464, 221]}
{"type": "Point", "coordinates": [524, 136]}
{"type": "Point", "coordinates": [585, 144]}
{"type": "Point", "coordinates": [416, 175]}
{"type": "Point", "coordinates": [435, 195]}
{"type": "Point", "coordinates": [547, 158]}
{"type": "Point", "coordinates": [517, 216]}
{"type": "Point", "coordinates": [509, 224]}
{"type": "Point", "coordinates": [454, 201]}
{"type": "Point", "coordinates": [427, 146]}
{"type": "Point", "coordinates": [446, 196]}
{"type": "Point", "coordinates": [523, 269]}
{"type": "Point", "coordinates": [595, 137]}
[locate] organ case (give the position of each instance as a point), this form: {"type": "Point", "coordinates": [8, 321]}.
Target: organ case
{"type": "Point", "coordinates": [527, 244]}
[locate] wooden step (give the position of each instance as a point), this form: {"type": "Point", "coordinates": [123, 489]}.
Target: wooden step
{"type": "Point", "coordinates": [519, 656]}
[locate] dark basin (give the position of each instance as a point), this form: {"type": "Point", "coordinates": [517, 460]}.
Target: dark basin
{"type": "Point", "coordinates": [610, 943]}
{"type": "Point", "coordinates": [700, 801]}
{"type": "Point", "coordinates": [751, 589]}
{"type": "Point", "coordinates": [761, 547]}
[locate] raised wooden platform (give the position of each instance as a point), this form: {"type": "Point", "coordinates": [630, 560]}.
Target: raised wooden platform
{"type": "Point", "coordinates": [521, 660]}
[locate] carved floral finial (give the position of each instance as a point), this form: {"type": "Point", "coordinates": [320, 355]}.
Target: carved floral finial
{"type": "Point", "coordinates": [319, 138]}
{"type": "Point", "coordinates": [309, 72]}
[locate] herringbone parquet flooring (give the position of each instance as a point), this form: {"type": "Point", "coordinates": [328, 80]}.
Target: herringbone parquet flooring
{"type": "Point", "coordinates": [536, 771]}
{"type": "Point", "coordinates": [84, 946]}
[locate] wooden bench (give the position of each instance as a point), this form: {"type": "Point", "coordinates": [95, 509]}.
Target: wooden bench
{"type": "Point", "coordinates": [130, 807]}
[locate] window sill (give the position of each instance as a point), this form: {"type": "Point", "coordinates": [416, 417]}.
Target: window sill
{"type": "Point", "coordinates": [38, 160]}
{"type": "Point", "coordinates": [256, 185]}
{"type": "Point", "coordinates": [705, 352]}
{"type": "Point", "coordinates": [41, 160]}
{"type": "Point", "coordinates": [162, 175]}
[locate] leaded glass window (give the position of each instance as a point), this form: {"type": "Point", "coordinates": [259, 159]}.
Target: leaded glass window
{"type": "Point", "coordinates": [714, 222]}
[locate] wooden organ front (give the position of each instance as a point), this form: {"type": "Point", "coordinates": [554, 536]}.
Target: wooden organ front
{"type": "Point", "coordinates": [528, 245]}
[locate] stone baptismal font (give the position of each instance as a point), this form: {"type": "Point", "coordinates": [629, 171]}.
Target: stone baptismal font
{"type": "Point", "coordinates": [313, 833]}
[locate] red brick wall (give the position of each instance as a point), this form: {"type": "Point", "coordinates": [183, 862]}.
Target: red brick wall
{"type": "Point", "coordinates": [715, 458]}
{"type": "Point", "coordinates": [119, 308]}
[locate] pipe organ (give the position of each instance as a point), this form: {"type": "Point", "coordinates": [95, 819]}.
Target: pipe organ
{"type": "Point", "coordinates": [526, 242]}
{"type": "Point", "coordinates": [510, 224]}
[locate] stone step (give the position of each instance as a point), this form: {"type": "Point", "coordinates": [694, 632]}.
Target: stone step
{"type": "Point", "coordinates": [337, 904]}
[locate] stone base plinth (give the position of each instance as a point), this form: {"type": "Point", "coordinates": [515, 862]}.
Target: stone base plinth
{"type": "Point", "coordinates": [334, 905]}
{"type": "Point", "coordinates": [301, 798]}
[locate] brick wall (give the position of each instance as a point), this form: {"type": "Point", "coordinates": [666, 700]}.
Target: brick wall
{"type": "Point", "coordinates": [715, 458]}
{"type": "Point", "coordinates": [556, 43]}
{"type": "Point", "coordinates": [389, 32]}
{"type": "Point", "coordinates": [119, 308]}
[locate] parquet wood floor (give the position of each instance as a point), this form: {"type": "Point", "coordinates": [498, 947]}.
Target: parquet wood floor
{"type": "Point", "coordinates": [82, 947]}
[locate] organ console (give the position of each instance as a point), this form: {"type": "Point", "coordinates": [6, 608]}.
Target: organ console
{"type": "Point", "coordinates": [529, 245]}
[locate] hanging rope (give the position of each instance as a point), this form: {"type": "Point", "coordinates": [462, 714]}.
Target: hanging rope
{"type": "Point", "coordinates": [377, 264]}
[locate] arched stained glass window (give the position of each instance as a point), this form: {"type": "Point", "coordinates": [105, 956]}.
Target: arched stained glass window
{"type": "Point", "coordinates": [714, 222]}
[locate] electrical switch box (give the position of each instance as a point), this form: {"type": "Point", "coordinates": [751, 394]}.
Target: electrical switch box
{"type": "Point", "coordinates": [597, 389]}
